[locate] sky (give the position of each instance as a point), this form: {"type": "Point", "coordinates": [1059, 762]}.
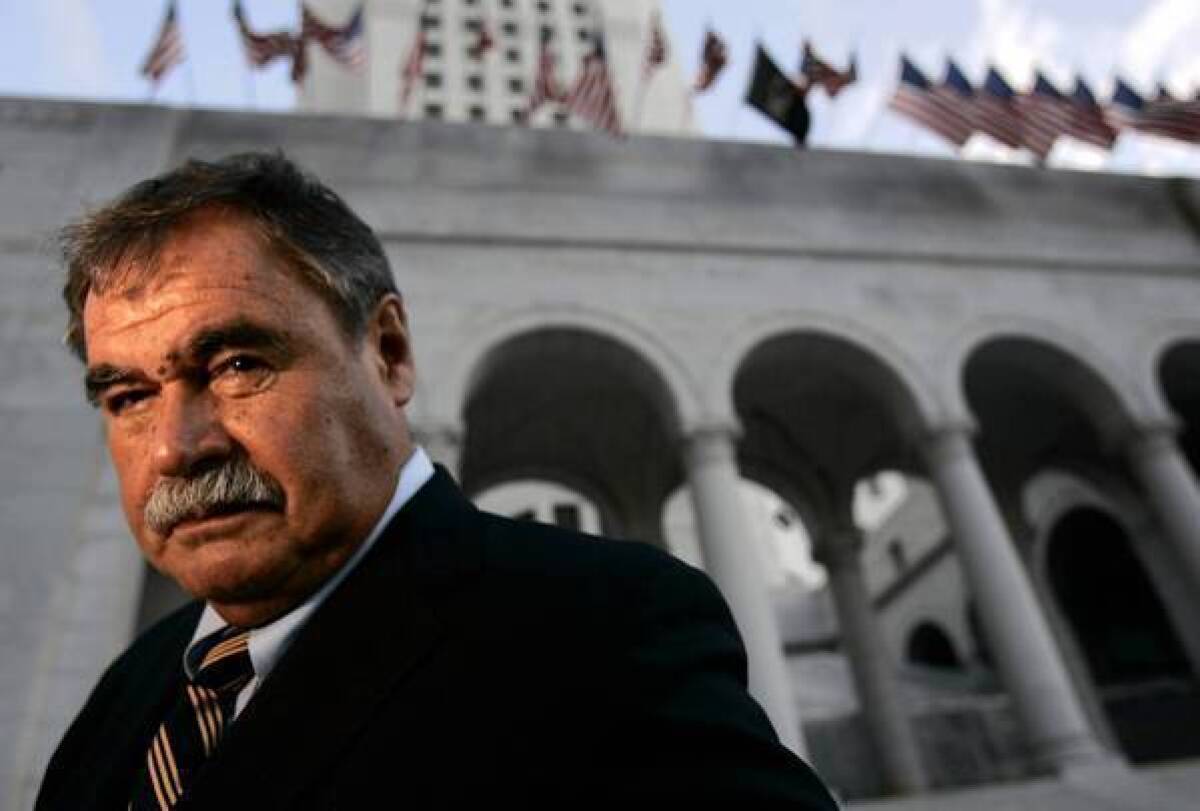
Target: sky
{"type": "Point", "coordinates": [91, 49]}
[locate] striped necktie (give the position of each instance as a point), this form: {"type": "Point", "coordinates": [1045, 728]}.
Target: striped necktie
{"type": "Point", "coordinates": [194, 726]}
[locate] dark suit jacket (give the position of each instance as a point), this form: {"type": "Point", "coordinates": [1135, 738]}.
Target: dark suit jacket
{"type": "Point", "coordinates": [467, 659]}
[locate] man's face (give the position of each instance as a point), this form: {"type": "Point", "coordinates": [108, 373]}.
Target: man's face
{"type": "Point", "coordinates": [225, 361]}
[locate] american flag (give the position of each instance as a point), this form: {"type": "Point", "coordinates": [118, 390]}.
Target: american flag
{"type": "Point", "coordinates": [919, 100]}
{"type": "Point", "coordinates": [545, 85]}
{"type": "Point", "coordinates": [816, 71]}
{"type": "Point", "coordinates": [986, 117]}
{"type": "Point", "coordinates": [484, 43]}
{"type": "Point", "coordinates": [996, 100]}
{"type": "Point", "coordinates": [656, 47]}
{"type": "Point", "coordinates": [1167, 118]}
{"type": "Point", "coordinates": [262, 49]}
{"type": "Point", "coordinates": [1088, 123]}
{"type": "Point", "coordinates": [346, 44]}
{"type": "Point", "coordinates": [410, 70]}
{"type": "Point", "coordinates": [168, 48]}
{"type": "Point", "coordinates": [713, 56]}
{"type": "Point", "coordinates": [592, 97]}
{"type": "Point", "coordinates": [1046, 114]}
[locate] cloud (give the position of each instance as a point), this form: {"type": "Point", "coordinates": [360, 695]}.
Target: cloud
{"type": "Point", "coordinates": [1018, 41]}
{"type": "Point", "coordinates": [1169, 25]}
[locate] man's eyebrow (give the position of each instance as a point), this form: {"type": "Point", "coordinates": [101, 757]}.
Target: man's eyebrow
{"type": "Point", "coordinates": [236, 335]}
{"type": "Point", "coordinates": [103, 376]}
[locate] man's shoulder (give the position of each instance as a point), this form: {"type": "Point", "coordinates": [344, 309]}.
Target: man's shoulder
{"type": "Point", "coordinates": [625, 577]}
{"type": "Point", "coordinates": [520, 547]}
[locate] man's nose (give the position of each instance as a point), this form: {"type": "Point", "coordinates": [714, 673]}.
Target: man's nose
{"type": "Point", "coordinates": [188, 432]}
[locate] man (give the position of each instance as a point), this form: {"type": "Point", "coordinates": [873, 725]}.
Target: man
{"type": "Point", "coordinates": [362, 636]}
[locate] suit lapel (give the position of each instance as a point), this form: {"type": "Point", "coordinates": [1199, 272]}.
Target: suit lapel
{"type": "Point", "coordinates": [347, 658]}
{"type": "Point", "coordinates": [147, 697]}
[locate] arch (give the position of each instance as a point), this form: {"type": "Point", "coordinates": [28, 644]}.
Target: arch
{"type": "Point", "coordinates": [468, 363]}
{"type": "Point", "coordinates": [1118, 403]}
{"type": "Point", "coordinates": [929, 645]}
{"type": "Point", "coordinates": [1064, 364]}
{"type": "Point", "coordinates": [910, 377]}
{"type": "Point", "coordinates": [1152, 351]}
{"type": "Point", "coordinates": [1178, 379]}
{"type": "Point", "coordinates": [810, 400]}
{"type": "Point", "coordinates": [1132, 651]}
{"type": "Point", "coordinates": [580, 408]}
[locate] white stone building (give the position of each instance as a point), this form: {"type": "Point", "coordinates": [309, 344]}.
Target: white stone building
{"type": "Point", "coordinates": [495, 89]}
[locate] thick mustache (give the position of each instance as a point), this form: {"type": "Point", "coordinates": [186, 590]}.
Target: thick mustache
{"type": "Point", "coordinates": [232, 485]}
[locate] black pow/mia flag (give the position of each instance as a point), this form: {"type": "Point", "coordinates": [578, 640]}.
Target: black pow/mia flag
{"type": "Point", "coordinates": [778, 98]}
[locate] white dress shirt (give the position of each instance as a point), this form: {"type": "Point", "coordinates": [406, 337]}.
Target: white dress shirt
{"type": "Point", "coordinates": [268, 642]}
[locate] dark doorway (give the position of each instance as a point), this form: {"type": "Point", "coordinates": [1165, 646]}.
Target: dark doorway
{"type": "Point", "coordinates": [930, 646]}
{"type": "Point", "coordinates": [1134, 656]}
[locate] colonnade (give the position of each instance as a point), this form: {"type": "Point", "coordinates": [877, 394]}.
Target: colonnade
{"type": "Point", "coordinates": [1031, 666]}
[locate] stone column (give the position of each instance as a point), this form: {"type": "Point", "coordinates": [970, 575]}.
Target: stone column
{"type": "Point", "coordinates": [1171, 488]}
{"type": "Point", "coordinates": [874, 677]}
{"type": "Point", "coordinates": [734, 565]}
{"type": "Point", "coordinates": [443, 443]}
{"type": "Point", "coordinates": [1030, 664]}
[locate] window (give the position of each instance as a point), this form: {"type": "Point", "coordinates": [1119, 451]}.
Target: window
{"type": "Point", "coordinates": [433, 111]}
{"type": "Point", "coordinates": [580, 9]}
{"type": "Point", "coordinates": [477, 113]}
{"type": "Point", "coordinates": [470, 2]}
{"type": "Point", "coordinates": [515, 85]}
{"type": "Point", "coordinates": [506, 3]}
{"type": "Point", "coordinates": [473, 24]}
{"type": "Point", "coordinates": [433, 80]}
{"type": "Point", "coordinates": [429, 22]}
{"type": "Point", "coordinates": [512, 55]}
{"type": "Point", "coordinates": [511, 28]}
{"type": "Point", "coordinates": [561, 119]}
{"type": "Point", "coordinates": [543, 6]}
{"type": "Point", "coordinates": [475, 82]}
{"type": "Point", "coordinates": [583, 34]}
{"type": "Point", "coordinates": [518, 115]}
{"type": "Point", "coordinates": [433, 50]}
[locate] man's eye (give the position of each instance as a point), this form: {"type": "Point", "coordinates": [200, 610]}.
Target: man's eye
{"type": "Point", "coordinates": [240, 364]}
{"type": "Point", "coordinates": [241, 374]}
{"type": "Point", "coordinates": [124, 400]}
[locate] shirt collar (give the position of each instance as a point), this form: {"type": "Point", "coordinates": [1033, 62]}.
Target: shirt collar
{"type": "Point", "coordinates": [268, 642]}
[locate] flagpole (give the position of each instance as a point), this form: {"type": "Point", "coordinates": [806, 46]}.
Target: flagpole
{"type": "Point", "coordinates": [191, 84]}
{"type": "Point", "coordinates": [640, 100]}
{"type": "Point", "coordinates": [248, 86]}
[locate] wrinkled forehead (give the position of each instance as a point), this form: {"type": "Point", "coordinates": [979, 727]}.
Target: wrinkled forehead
{"type": "Point", "coordinates": [203, 276]}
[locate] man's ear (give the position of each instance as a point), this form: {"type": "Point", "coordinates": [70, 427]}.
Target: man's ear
{"type": "Point", "coordinates": [391, 350]}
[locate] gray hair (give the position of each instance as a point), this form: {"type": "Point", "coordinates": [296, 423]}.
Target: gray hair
{"type": "Point", "coordinates": [303, 221]}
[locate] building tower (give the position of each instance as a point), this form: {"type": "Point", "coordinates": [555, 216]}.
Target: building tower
{"type": "Point", "coordinates": [495, 88]}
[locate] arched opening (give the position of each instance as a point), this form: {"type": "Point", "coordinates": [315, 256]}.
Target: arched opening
{"type": "Point", "coordinates": [1133, 653]}
{"type": "Point", "coordinates": [1038, 406]}
{"type": "Point", "coordinates": [930, 646]}
{"type": "Point", "coordinates": [1179, 376]}
{"type": "Point", "coordinates": [824, 402]}
{"type": "Point", "coordinates": [581, 410]}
